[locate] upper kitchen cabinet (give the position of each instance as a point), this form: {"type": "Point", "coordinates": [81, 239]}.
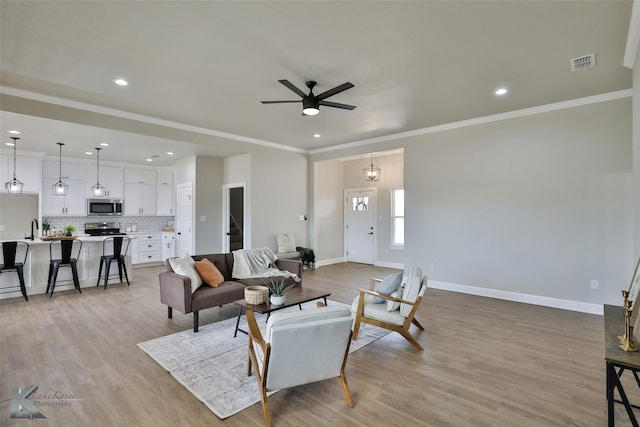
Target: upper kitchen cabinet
{"type": "Point", "coordinates": [165, 191]}
{"type": "Point", "coordinates": [28, 171]}
{"type": "Point", "coordinates": [111, 177]}
{"type": "Point", "coordinates": [140, 191]}
{"type": "Point", "coordinates": [73, 174]}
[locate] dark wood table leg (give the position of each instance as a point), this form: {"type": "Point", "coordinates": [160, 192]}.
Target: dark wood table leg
{"type": "Point", "coordinates": [610, 373]}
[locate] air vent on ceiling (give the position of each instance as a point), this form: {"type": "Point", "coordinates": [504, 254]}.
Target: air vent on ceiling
{"type": "Point", "coordinates": [583, 62]}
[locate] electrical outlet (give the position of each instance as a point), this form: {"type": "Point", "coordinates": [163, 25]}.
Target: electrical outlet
{"type": "Point", "coordinates": [432, 266]}
{"type": "Point", "coordinates": [203, 218]}
{"type": "Point", "coordinates": [594, 284]}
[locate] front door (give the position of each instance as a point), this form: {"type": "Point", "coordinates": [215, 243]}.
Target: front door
{"type": "Point", "coordinates": [359, 218]}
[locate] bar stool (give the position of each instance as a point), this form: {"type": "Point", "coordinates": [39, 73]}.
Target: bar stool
{"type": "Point", "coordinates": [67, 252]}
{"type": "Point", "coordinates": [10, 250]}
{"type": "Point", "coordinates": [114, 249]}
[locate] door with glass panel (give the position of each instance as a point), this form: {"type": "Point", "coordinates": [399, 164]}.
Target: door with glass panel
{"type": "Point", "coordinates": [360, 230]}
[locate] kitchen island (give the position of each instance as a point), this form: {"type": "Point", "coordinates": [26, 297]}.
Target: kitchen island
{"type": "Point", "coordinates": [36, 270]}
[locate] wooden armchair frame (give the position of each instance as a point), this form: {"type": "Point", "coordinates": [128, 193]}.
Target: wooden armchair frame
{"type": "Point", "coordinates": [255, 337]}
{"type": "Point", "coordinates": [401, 329]}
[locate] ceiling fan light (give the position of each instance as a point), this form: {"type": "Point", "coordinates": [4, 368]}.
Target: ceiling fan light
{"type": "Point", "coordinates": [310, 111]}
{"type": "Point", "coordinates": [310, 106]}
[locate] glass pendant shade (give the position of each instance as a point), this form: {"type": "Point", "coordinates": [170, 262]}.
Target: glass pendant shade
{"type": "Point", "coordinates": [372, 173]}
{"type": "Point", "coordinates": [60, 188]}
{"type": "Point", "coordinates": [98, 190]}
{"type": "Point", "coordinates": [14, 186]}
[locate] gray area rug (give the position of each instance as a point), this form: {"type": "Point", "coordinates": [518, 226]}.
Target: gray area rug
{"type": "Point", "coordinates": [212, 364]}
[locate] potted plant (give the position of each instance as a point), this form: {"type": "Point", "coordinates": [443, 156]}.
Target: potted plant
{"type": "Point", "coordinates": [46, 226]}
{"type": "Point", "coordinates": [278, 289]}
{"type": "Point", "coordinates": [69, 229]}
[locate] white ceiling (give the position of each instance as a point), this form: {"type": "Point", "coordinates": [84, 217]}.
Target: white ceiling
{"type": "Point", "coordinates": [198, 70]}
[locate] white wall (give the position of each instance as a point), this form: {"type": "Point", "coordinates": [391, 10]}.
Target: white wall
{"type": "Point", "coordinates": [536, 205]}
{"type": "Point", "coordinates": [328, 211]}
{"type": "Point", "coordinates": [208, 205]}
{"type": "Point", "coordinates": [279, 191]}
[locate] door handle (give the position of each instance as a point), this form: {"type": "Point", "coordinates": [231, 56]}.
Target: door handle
{"type": "Point", "coordinates": [370, 233]}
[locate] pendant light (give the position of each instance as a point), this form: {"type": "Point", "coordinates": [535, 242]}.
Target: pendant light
{"type": "Point", "coordinates": [98, 190]}
{"type": "Point", "coordinates": [14, 186]}
{"type": "Point", "coordinates": [372, 173]}
{"type": "Point", "coordinates": [60, 188]}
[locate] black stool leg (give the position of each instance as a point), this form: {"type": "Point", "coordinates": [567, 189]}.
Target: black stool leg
{"type": "Point", "coordinates": [74, 271]}
{"type": "Point", "coordinates": [49, 278]}
{"type": "Point", "coordinates": [21, 278]}
{"type": "Point", "coordinates": [106, 271]}
{"type": "Point", "coordinates": [120, 268]}
{"type": "Point", "coordinates": [100, 271]}
{"type": "Point", "coordinates": [123, 266]}
{"type": "Point", "coordinates": [52, 278]}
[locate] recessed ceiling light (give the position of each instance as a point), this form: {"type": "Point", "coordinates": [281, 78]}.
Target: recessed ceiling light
{"type": "Point", "coordinates": [501, 91]}
{"type": "Point", "coordinates": [88, 153]}
{"type": "Point", "coordinates": [10, 144]}
{"type": "Point", "coordinates": [104, 144]}
{"type": "Point", "coordinates": [121, 82]}
{"type": "Point", "coordinates": [14, 132]}
{"type": "Point", "coordinates": [170, 153]}
{"type": "Point", "coordinates": [316, 135]}
{"type": "Point", "coordinates": [149, 160]}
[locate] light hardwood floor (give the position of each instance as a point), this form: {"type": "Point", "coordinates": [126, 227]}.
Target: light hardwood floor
{"type": "Point", "coordinates": [486, 363]}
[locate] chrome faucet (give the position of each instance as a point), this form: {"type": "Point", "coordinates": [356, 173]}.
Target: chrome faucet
{"type": "Point", "coordinates": [32, 237]}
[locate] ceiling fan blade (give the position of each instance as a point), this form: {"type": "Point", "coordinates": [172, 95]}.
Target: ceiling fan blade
{"type": "Point", "coordinates": [291, 86]}
{"type": "Point", "coordinates": [337, 105]}
{"type": "Point", "coordinates": [334, 91]}
{"type": "Point", "coordinates": [278, 102]}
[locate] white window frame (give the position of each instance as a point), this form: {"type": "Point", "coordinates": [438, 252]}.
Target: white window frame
{"type": "Point", "coordinates": [394, 216]}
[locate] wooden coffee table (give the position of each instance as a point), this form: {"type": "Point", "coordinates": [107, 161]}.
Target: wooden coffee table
{"type": "Point", "coordinates": [295, 296]}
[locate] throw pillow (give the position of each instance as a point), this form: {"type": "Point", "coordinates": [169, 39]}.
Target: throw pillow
{"type": "Point", "coordinates": [208, 272]}
{"type": "Point", "coordinates": [184, 267]}
{"type": "Point", "coordinates": [394, 305]}
{"type": "Point", "coordinates": [388, 285]}
{"type": "Point", "coordinates": [286, 243]}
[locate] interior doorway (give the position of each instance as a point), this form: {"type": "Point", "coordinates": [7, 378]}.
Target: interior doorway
{"type": "Point", "coordinates": [235, 221]}
{"type": "Point", "coordinates": [360, 236]}
{"type": "Point", "coordinates": [184, 220]}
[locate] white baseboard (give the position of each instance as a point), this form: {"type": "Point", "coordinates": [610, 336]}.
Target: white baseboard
{"type": "Point", "coordinates": [582, 307]}
{"type": "Point", "coordinates": [387, 264]}
{"type": "Point", "coordinates": [330, 261]}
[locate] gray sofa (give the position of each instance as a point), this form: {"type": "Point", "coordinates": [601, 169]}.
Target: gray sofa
{"type": "Point", "coordinates": [175, 290]}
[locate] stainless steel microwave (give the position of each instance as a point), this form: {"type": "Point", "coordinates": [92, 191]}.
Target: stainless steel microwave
{"type": "Point", "coordinates": [105, 207]}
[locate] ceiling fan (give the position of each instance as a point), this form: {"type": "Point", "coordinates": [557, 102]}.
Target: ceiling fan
{"type": "Point", "coordinates": [311, 103]}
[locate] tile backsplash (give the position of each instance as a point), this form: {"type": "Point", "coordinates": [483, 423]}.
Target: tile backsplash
{"type": "Point", "coordinates": [144, 224]}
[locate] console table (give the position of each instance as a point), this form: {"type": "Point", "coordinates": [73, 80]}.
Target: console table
{"type": "Point", "coordinates": [618, 361]}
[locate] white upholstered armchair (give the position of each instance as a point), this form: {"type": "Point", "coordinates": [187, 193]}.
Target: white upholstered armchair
{"type": "Point", "coordinates": [299, 348]}
{"type": "Point", "coordinates": [396, 312]}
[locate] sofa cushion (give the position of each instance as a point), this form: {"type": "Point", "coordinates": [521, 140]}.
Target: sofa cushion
{"type": "Point", "coordinates": [388, 285]}
{"type": "Point", "coordinates": [184, 267]}
{"type": "Point", "coordinates": [207, 297]}
{"type": "Point", "coordinates": [267, 281]}
{"type": "Point", "coordinates": [208, 272]}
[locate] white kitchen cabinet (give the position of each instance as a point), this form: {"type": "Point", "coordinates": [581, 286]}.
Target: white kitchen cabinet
{"type": "Point", "coordinates": [149, 249]}
{"type": "Point", "coordinates": [73, 174]}
{"type": "Point", "coordinates": [111, 177]}
{"type": "Point", "coordinates": [165, 191]}
{"type": "Point", "coordinates": [139, 199]}
{"type": "Point", "coordinates": [133, 248]}
{"type": "Point", "coordinates": [28, 171]}
{"type": "Point", "coordinates": [140, 196]}
{"type": "Point", "coordinates": [168, 244]}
